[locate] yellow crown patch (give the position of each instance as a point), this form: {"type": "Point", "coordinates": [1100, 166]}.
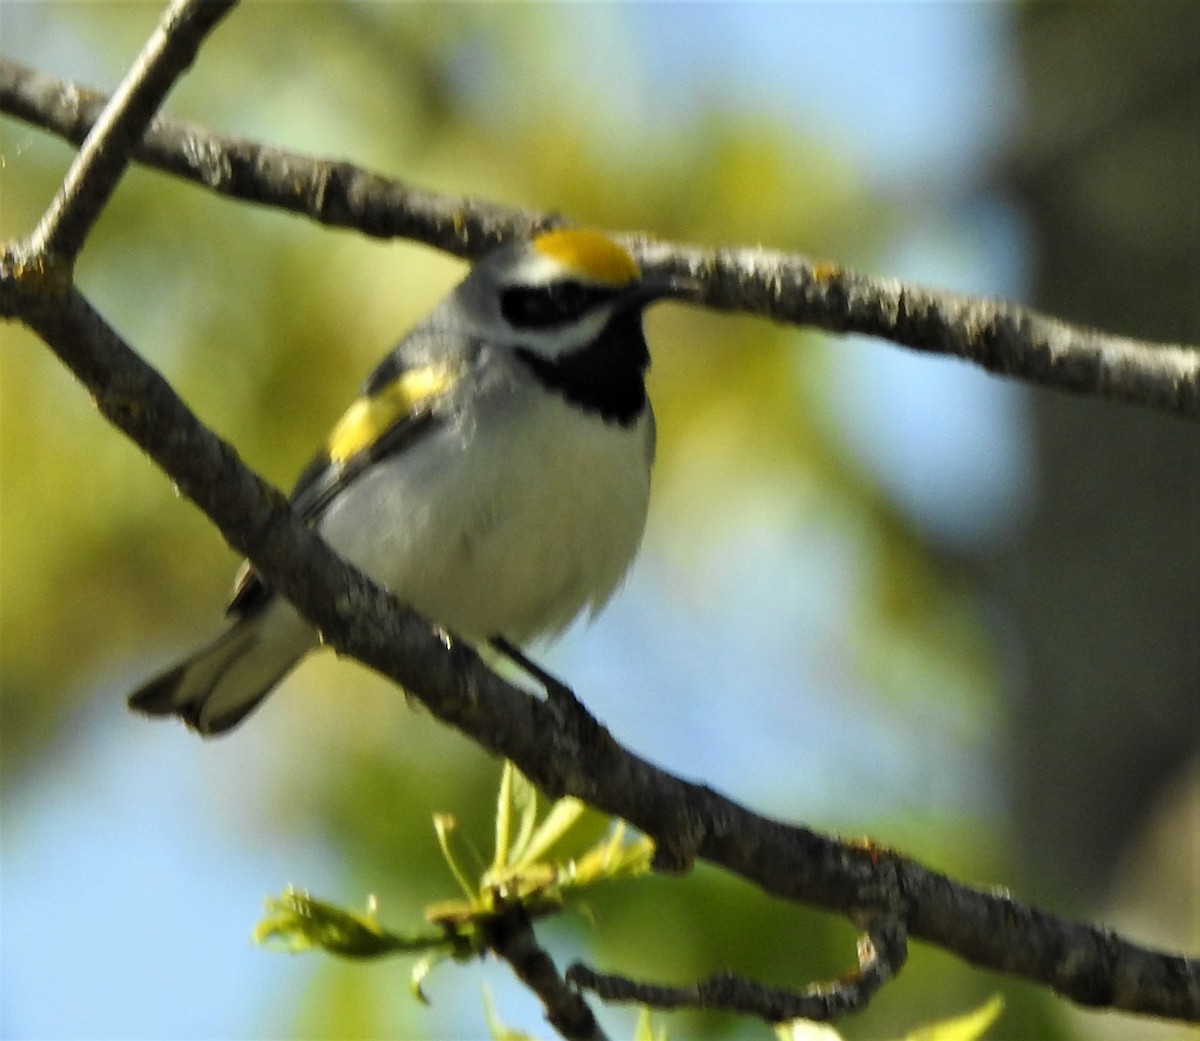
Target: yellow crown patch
{"type": "Point", "coordinates": [588, 253]}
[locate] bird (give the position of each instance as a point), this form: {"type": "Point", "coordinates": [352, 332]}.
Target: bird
{"type": "Point", "coordinates": [493, 473]}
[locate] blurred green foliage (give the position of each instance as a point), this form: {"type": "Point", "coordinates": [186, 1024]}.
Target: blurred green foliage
{"type": "Point", "coordinates": [265, 324]}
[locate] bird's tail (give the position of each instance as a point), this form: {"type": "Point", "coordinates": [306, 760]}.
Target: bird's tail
{"type": "Point", "coordinates": [217, 686]}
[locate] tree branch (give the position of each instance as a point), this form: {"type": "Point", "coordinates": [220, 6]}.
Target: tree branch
{"type": "Point", "coordinates": [882, 950]}
{"type": "Point", "coordinates": [510, 937]}
{"type": "Point", "coordinates": [328, 191]}
{"type": "Point", "coordinates": [558, 745]}
{"type": "Point", "coordinates": [110, 141]}
{"type": "Point", "coordinates": [1001, 336]}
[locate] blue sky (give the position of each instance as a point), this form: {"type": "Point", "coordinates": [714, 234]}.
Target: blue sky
{"type": "Point", "coordinates": [109, 873]}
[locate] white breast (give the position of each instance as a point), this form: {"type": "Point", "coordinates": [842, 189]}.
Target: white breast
{"type": "Point", "coordinates": [509, 523]}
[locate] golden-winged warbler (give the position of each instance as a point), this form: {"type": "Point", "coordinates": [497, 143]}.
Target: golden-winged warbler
{"type": "Point", "coordinates": [494, 474]}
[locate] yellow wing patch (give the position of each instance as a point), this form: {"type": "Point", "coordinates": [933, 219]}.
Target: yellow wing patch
{"type": "Point", "coordinates": [369, 418]}
{"type": "Point", "coordinates": [589, 253]}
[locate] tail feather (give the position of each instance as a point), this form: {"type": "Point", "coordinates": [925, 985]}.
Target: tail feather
{"type": "Point", "coordinates": [216, 687]}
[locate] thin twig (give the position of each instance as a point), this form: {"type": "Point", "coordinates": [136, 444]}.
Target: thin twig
{"type": "Point", "coordinates": [1001, 336]}
{"type": "Point", "coordinates": [882, 951]}
{"type": "Point", "coordinates": [109, 145]}
{"type": "Point", "coordinates": [510, 937]}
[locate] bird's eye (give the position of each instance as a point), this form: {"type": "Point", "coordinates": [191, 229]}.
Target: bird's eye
{"type": "Point", "coordinates": [539, 307]}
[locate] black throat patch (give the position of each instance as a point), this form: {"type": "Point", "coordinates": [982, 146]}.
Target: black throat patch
{"type": "Point", "coordinates": [607, 376]}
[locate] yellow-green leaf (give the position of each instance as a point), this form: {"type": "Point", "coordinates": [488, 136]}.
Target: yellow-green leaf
{"type": "Point", "coordinates": [518, 797]}
{"type": "Point", "coordinates": [644, 1031]}
{"type": "Point", "coordinates": [613, 859]}
{"type": "Point", "coordinates": [806, 1030]}
{"type": "Point", "coordinates": [504, 813]}
{"type": "Point", "coordinates": [563, 816]}
{"type": "Point", "coordinates": [967, 1027]}
{"type": "Point", "coordinates": [301, 922]}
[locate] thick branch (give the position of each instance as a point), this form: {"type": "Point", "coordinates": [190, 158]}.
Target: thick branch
{"type": "Point", "coordinates": [1001, 336]}
{"type": "Point", "coordinates": [328, 191]}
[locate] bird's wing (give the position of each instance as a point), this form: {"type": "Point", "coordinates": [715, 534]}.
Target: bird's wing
{"type": "Point", "coordinates": [399, 406]}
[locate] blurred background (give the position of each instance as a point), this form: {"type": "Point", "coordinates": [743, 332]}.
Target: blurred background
{"type": "Point", "coordinates": [880, 593]}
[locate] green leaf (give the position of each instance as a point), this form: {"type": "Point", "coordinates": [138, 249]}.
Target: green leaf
{"type": "Point", "coordinates": [805, 1030]}
{"type": "Point", "coordinates": [504, 812]}
{"type": "Point", "coordinates": [517, 795]}
{"type": "Point", "coordinates": [613, 859]}
{"type": "Point", "coordinates": [644, 1031]}
{"type": "Point", "coordinates": [300, 922]}
{"type": "Point", "coordinates": [563, 816]}
{"type": "Point", "coordinates": [967, 1027]}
